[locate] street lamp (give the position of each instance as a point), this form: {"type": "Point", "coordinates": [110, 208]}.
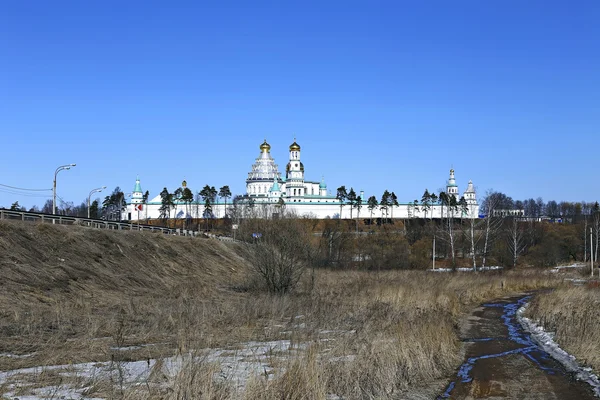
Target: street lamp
{"type": "Point", "coordinates": [68, 166]}
{"type": "Point", "coordinates": [90, 197]}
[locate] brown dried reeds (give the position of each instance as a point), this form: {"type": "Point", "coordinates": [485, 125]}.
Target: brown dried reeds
{"type": "Point", "coordinates": [573, 314]}
{"type": "Point", "coordinates": [75, 295]}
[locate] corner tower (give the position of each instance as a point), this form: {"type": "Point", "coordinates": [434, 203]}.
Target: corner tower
{"type": "Point", "coordinates": [137, 196]}
{"type": "Point", "coordinates": [470, 195]}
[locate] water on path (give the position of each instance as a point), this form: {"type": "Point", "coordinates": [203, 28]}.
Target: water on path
{"type": "Point", "coordinates": [502, 361]}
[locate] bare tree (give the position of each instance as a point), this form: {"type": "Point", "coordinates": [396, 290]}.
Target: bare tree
{"type": "Point", "coordinates": [596, 228]}
{"type": "Point", "coordinates": [515, 239]}
{"type": "Point", "coordinates": [449, 231]}
{"type": "Point", "coordinates": [280, 253]}
{"type": "Point", "coordinates": [491, 223]}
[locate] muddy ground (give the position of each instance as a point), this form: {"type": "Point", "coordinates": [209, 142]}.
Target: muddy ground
{"type": "Point", "coordinates": [502, 362]}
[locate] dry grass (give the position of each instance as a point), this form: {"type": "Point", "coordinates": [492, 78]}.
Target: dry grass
{"type": "Point", "coordinates": [573, 313]}
{"type": "Point", "coordinates": [74, 295]}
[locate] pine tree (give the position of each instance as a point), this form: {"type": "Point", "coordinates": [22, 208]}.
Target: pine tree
{"type": "Point", "coordinates": [385, 202]}
{"type": "Point", "coordinates": [393, 202]}
{"type": "Point", "coordinates": [341, 195]}
{"type": "Point", "coordinates": [426, 202]}
{"type": "Point", "coordinates": [225, 193]}
{"type": "Point", "coordinates": [371, 205]}
{"type": "Point", "coordinates": [351, 200]}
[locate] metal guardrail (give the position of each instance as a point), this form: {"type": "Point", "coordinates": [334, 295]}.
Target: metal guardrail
{"type": "Point", "coordinates": [92, 223]}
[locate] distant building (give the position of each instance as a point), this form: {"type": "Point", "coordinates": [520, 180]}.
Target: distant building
{"type": "Point", "coordinates": [268, 193]}
{"type": "Point", "coordinates": [509, 213]}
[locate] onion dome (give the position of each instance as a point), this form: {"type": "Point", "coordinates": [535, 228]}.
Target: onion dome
{"type": "Point", "coordinates": [322, 185]}
{"type": "Point", "coordinates": [264, 168]}
{"type": "Point", "coordinates": [184, 184]}
{"type": "Point", "coordinates": [265, 147]}
{"type": "Point", "coordinates": [294, 146]}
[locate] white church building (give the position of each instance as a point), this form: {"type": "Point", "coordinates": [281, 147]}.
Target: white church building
{"type": "Point", "coordinates": [270, 192]}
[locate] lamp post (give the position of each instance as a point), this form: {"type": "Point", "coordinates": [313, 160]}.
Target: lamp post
{"type": "Point", "coordinates": [90, 197]}
{"type": "Point", "coordinates": [67, 166]}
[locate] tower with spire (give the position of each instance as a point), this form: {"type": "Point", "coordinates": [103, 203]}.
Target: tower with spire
{"type": "Point", "coordinates": [137, 196]}
{"type": "Point", "coordinates": [451, 187]}
{"type": "Point", "coordinates": [294, 173]}
{"type": "Point", "coordinates": [275, 191]}
{"type": "Point", "coordinates": [470, 195]}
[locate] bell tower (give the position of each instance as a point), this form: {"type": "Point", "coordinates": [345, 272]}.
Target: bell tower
{"type": "Point", "coordinates": [451, 188]}
{"type": "Point", "coordinates": [470, 195]}
{"type": "Point", "coordinates": [294, 173]}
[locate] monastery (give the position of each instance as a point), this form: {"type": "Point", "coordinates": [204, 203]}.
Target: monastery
{"type": "Point", "coordinates": [269, 192]}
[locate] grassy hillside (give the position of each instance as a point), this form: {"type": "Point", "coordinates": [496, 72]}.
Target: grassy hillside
{"type": "Point", "coordinates": [62, 286]}
{"type": "Point", "coordinates": [71, 295]}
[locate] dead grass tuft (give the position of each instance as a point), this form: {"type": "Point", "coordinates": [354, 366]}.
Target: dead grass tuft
{"type": "Point", "coordinates": [573, 314]}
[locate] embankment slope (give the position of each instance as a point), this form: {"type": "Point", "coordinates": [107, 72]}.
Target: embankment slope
{"type": "Point", "coordinates": [68, 284]}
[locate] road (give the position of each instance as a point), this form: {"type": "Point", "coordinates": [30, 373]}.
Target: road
{"type": "Point", "coordinates": [502, 362]}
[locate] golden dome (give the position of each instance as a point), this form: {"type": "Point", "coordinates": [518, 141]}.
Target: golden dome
{"type": "Point", "coordinates": [265, 146]}
{"type": "Point", "coordinates": [184, 184]}
{"type": "Point", "coordinates": [294, 146]}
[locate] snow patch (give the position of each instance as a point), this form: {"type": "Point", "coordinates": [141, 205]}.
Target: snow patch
{"type": "Point", "coordinates": [10, 355]}
{"type": "Point", "coordinates": [546, 341]}
{"type": "Point", "coordinates": [470, 269]}
{"type": "Point", "coordinates": [561, 267]}
{"type": "Point", "coordinates": [237, 365]}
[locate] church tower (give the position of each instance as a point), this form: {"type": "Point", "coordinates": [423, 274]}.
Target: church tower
{"type": "Point", "coordinates": [322, 188]}
{"type": "Point", "coordinates": [294, 173]}
{"type": "Point", "coordinates": [451, 188]}
{"type": "Point", "coordinates": [264, 172]}
{"type": "Point", "coordinates": [470, 195]}
{"type": "Point", "coordinates": [137, 196]}
{"type": "Point", "coordinates": [275, 191]}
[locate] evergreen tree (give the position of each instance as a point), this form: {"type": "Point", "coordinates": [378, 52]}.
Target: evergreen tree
{"type": "Point", "coordinates": [225, 193]}
{"type": "Point", "coordinates": [166, 202]}
{"type": "Point", "coordinates": [358, 204]}
{"type": "Point", "coordinates": [351, 200]}
{"type": "Point", "coordinates": [371, 205]}
{"type": "Point", "coordinates": [426, 202]}
{"type": "Point", "coordinates": [341, 195]}
{"type": "Point", "coordinates": [393, 202]}
{"type": "Point", "coordinates": [187, 196]}
{"type": "Point", "coordinates": [385, 202]}
{"type": "Point", "coordinates": [209, 194]}
{"type": "Point", "coordinates": [94, 209]}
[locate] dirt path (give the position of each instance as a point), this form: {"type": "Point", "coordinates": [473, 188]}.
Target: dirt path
{"type": "Point", "coordinates": [501, 361]}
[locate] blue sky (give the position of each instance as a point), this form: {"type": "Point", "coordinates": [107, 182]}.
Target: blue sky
{"type": "Point", "coordinates": [380, 95]}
